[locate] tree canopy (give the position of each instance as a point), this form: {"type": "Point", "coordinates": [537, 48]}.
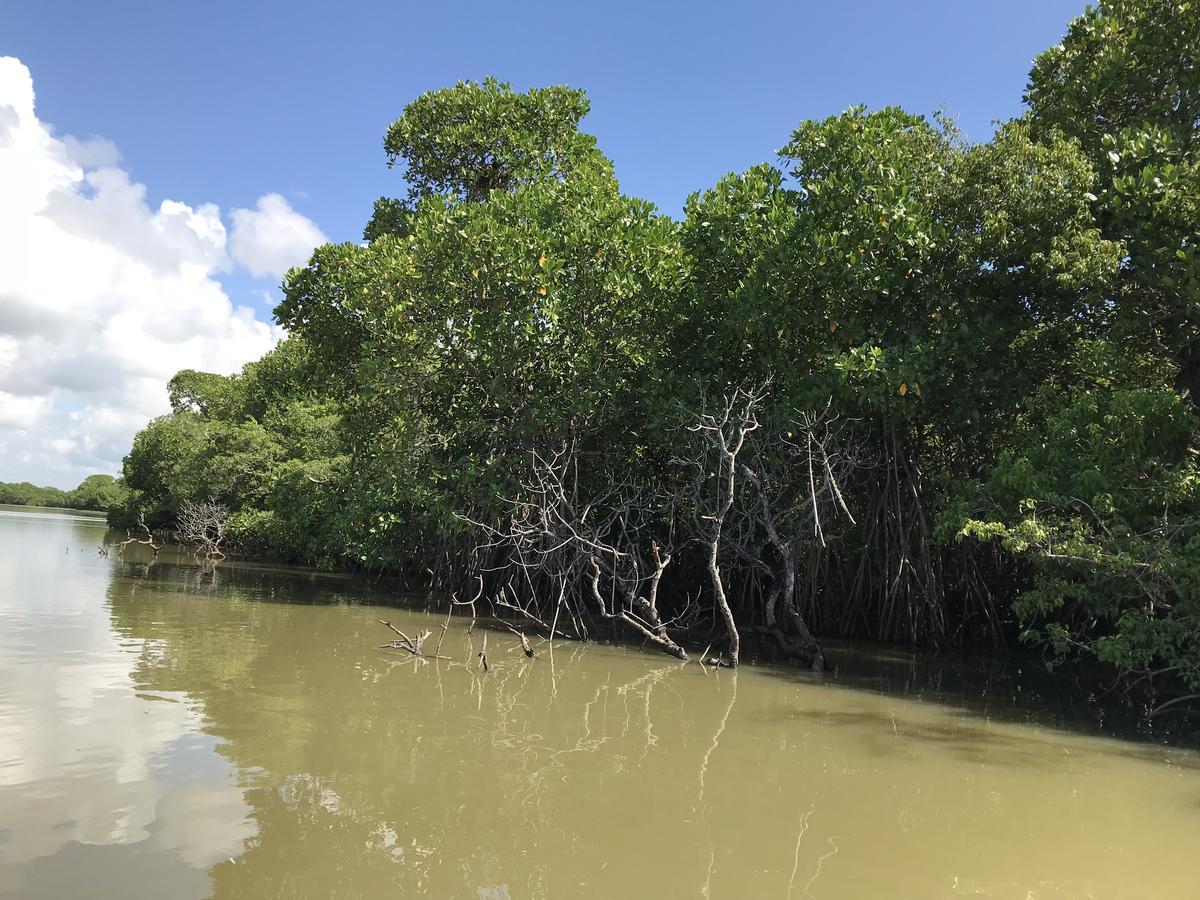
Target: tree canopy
{"type": "Point", "coordinates": [965, 376]}
{"type": "Point", "coordinates": [96, 492]}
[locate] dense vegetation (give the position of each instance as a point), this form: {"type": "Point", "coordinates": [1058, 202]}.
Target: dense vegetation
{"type": "Point", "coordinates": [895, 386]}
{"type": "Point", "coordinates": [96, 492]}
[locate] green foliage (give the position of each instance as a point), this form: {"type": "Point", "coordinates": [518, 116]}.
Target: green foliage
{"type": "Point", "coordinates": [25, 494]}
{"type": "Point", "coordinates": [1122, 64]}
{"type": "Point", "coordinates": [260, 443]}
{"type": "Point", "coordinates": [1097, 490]}
{"type": "Point", "coordinates": [1100, 492]}
{"type": "Point", "coordinates": [202, 392]}
{"type": "Point", "coordinates": [1125, 85]}
{"type": "Point", "coordinates": [96, 492]}
{"type": "Point", "coordinates": [521, 302]}
{"type": "Point", "coordinates": [472, 139]}
{"type": "Point", "coordinates": [1010, 330]}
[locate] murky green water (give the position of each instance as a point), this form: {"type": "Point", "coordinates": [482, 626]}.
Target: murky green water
{"type": "Point", "coordinates": [167, 731]}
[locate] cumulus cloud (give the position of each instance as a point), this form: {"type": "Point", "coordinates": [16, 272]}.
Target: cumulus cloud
{"type": "Point", "coordinates": [21, 412]}
{"type": "Point", "coordinates": [272, 237]}
{"type": "Point", "coordinates": [103, 297]}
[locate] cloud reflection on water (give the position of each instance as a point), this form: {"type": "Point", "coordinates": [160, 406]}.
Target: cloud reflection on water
{"type": "Point", "coordinates": [88, 766]}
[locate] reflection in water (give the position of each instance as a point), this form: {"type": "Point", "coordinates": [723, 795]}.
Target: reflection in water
{"type": "Point", "coordinates": [101, 794]}
{"type": "Point", "coordinates": [238, 732]}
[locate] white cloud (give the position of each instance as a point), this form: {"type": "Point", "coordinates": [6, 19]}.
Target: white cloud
{"type": "Point", "coordinates": [21, 412]}
{"type": "Point", "coordinates": [92, 153]}
{"type": "Point", "coordinates": [272, 238]}
{"type": "Point", "coordinates": [103, 297]}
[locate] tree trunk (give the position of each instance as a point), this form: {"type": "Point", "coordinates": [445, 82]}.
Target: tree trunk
{"type": "Point", "coordinates": [714, 572]}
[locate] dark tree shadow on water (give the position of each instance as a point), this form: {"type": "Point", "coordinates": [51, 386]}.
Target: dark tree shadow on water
{"type": "Point", "coordinates": [1016, 690]}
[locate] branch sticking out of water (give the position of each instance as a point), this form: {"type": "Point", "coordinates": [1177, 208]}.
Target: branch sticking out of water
{"type": "Point", "coordinates": [525, 648]}
{"type": "Point", "coordinates": [483, 660]}
{"type": "Point", "coordinates": [412, 645]}
{"type": "Point", "coordinates": [148, 540]}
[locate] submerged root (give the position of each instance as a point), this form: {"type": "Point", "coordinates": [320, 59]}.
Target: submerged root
{"type": "Point", "coordinates": [811, 656]}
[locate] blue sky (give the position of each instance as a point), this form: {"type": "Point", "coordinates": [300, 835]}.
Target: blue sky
{"type": "Point", "coordinates": [247, 132]}
{"type": "Point", "coordinates": [223, 101]}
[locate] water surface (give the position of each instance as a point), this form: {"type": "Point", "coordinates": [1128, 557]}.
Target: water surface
{"type": "Point", "coordinates": [173, 730]}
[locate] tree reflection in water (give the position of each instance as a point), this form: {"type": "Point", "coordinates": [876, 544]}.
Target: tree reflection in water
{"type": "Point", "coordinates": [600, 771]}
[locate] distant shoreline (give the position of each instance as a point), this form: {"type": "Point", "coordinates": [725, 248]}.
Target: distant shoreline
{"type": "Point", "coordinates": [21, 507]}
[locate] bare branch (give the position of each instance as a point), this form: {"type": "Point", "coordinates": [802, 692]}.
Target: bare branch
{"type": "Point", "coordinates": [202, 527]}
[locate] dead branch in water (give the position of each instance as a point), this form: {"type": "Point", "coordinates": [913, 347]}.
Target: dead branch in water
{"type": "Point", "coordinates": [722, 433]}
{"type": "Point", "coordinates": [782, 514]}
{"type": "Point", "coordinates": [148, 540]}
{"type": "Point", "coordinates": [596, 552]}
{"type": "Point", "coordinates": [202, 527]}
{"type": "Point", "coordinates": [525, 648]}
{"type": "Point", "coordinates": [441, 637]}
{"type": "Point", "coordinates": [412, 645]}
{"type": "Point", "coordinates": [483, 660]}
{"type": "Point", "coordinates": [749, 484]}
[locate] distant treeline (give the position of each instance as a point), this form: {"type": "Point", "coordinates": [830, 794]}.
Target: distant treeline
{"type": "Point", "coordinates": [894, 385]}
{"type": "Point", "coordinates": [96, 492]}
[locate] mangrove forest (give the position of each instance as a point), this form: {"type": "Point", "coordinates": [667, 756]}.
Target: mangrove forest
{"type": "Point", "coordinates": [890, 384]}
